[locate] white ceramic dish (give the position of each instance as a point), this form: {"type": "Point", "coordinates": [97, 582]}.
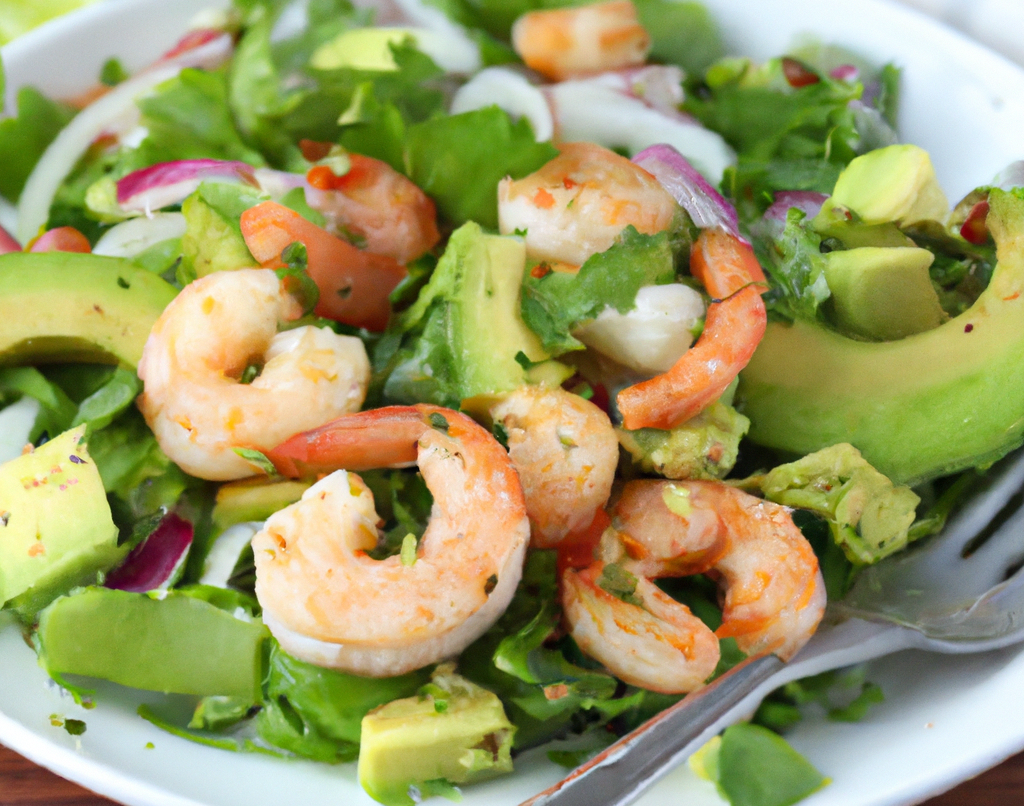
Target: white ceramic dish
{"type": "Point", "coordinates": [944, 719]}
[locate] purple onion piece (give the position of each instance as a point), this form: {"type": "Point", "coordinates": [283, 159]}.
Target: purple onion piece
{"type": "Point", "coordinates": [706, 206]}
{"type": "Point", "coordinates": [168, 183]}
{"type": "Point", "coordinates": [155, 562]}
{"type": "Point", "coordinates": [845, 72]}
{"type": "Point", "coordinates": [806, 200]}
{"type": "Point", "coordinates": [8, 243]}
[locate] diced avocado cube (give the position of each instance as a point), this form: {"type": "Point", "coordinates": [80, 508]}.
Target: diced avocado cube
{"type": "Point", "coordinates": [453, 731]}
{"type": "Point", "coordinates": [56, 530]}
{"type": "Point", "coordinates": [883, 293]}
{"type": "Point", "coordinates": [254, 499]}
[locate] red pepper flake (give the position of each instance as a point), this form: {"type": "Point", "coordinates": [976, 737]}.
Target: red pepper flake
{"type": "Point", "coordinates": [798, 74]}
{"type": "Point", "coordinates": [55, 470]}
{"type": "Point", "coordinates": [974, 230]}
{"type": "Point", "coordinates": [1012, 297]}
{"type": "Point", "coordinates": [63, 487]}
{"type": "Point", "coordinates": [543, 199]}
{"type": "Point", "coordinates": [968, 328]}
{"type": "Point", "coordinates": [540, 270]}
{"type": "Point", "coordinates": [78, 460]}
{"type": "Point", "coordinates": [568, 183]}
{"type": "Point", "coordinates": [36, 550]}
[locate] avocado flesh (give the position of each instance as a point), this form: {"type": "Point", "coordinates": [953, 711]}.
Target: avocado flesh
{"type": "Point", "coordinates": [883, 293]}
{"type": "Point", "coordinates": [453, 731]}
{"type": "Point", "coordinates": [77, 307]}
{"type": "Point", "coordinates": [921, 407]}
{"type": "Point", "coordinates": [212, 242]}
{"type": "Point", "coordinates": [56, 530]}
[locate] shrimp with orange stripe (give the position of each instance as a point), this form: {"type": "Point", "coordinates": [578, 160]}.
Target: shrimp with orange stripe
{"type": "Point", "coordinates": [773, 591]}
{"type": "Point", "coordinates": [328, 602]}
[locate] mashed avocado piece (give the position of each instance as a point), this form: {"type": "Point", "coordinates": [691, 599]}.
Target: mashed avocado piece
{"type": "Point", "coordinates": [869, 516]}
{"type": "Point", "coordinates": [704, 447]}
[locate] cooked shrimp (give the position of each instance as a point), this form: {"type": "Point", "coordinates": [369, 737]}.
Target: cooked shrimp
{"type": "Point", "coordinates": [774, 593]}
{"type": "Point", "coordinates": [735, 323]}
{"type": "Point", "coordinates": [198, 349]}
{"type": "Point", "coordinates": [375, 206]}
{"type": "Point", "coordinates": [577, 204]}
{"type": "Point", "coordinates": [565, 452]}
{"type": "Point", "coordinates": [656, 643]}
{"type": "Point", "coordinates": [562, 43]}
{"type": "Point", "coordinates": [327, 602]}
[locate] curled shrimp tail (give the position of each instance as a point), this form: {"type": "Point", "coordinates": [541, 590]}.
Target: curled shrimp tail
{"type": "Point", "coordinates": [733, 328]}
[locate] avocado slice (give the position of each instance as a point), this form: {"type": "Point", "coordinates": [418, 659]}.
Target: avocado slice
{"type": "Point", "coordinates": [453, 732]}
{"type": "Point", "coordinates": [921, 407]}
{"type": "Point", "coordinates": [883, 293]}
{"type": "Point", "coordinates": [77, 307]}
{"type": "Point", "coordinates": [56, 530]}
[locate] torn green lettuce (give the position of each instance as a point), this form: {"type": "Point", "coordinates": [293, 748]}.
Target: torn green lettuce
{"type": "Point", "coordinates": [704, 447]}
{"type": "Point", "coordinates": [751, 766]}
{"type": "Point", "coordinates": [317, 713]}
{"type": "Point", "coordinates": [452, 730]}
{"type": "Point", "coordinates": [554, 302]}
{"type": "Point", "coordinates": [868, 515]}
{"type": "Point", "coordinates": [24, 138]}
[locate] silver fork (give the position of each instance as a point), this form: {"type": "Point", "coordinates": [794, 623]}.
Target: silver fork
{"type": "Point", "coordinates": [930, 597]}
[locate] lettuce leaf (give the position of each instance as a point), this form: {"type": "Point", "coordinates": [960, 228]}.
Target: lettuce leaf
{"type": "Point", "coordinates": [553, 303]}
{"type": "Point", "coordinates": [25, 137]}
{"type": "Point", "coordinates": [316, 713]}
{"type": "Point", "coordinates": [795, 265]}
{"type": "Point", "coordinates": [459, 160]}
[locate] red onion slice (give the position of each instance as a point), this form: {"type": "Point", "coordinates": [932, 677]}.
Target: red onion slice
{"type": "Point", "coordinates": [706, 206]}
{"type": "Point", "coordinates": [8, 243]}
{"type": "Point", "coordinates": [806, 200]}
{"type": "Point", "coordinates": [155, 563]}
{"type": "Point", "coordinates": [168, 183]}
{"type": "Point", "coordinates": [845, 72]}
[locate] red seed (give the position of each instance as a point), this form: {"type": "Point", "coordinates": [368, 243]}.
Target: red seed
{"type": "Point", "coordinates": [974, 230]}
{"type": "Point", "coordinates": [798, 74]}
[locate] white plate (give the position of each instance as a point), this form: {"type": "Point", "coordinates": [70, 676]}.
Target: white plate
{"type": "Point", "coordinates": [944, 719]}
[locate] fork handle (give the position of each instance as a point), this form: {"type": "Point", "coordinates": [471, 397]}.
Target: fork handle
{"type": "Point", "coordinates": [619, 774]}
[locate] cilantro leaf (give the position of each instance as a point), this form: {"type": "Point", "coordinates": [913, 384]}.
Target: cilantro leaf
{"type": "Point", "coordinates": [554, 303]}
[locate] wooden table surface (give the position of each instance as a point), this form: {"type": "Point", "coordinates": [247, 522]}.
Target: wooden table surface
{"type": "Point", "coordinates": [24, 784]}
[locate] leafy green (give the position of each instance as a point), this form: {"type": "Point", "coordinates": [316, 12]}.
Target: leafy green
{"type": "Point", "coordinates": [555, 302]}
{"type": "Point", "coordinates": [459, 160]}
{"type": "Point", "coordinates": [682, 33]}
{"type": "Point", "coordinates": [57, 410]}
{"type": "Point", "coordinates": [786, 138]}
{"type": "Point", "coordinates": [546, 685]}
{"type": "Point", "coordinates": [189, 118]}
{"type": "Point", "coordinates": [100, 408]}
{"type": "Point", "coordinates": [25, 137]}
{"type": "Point", "coordinates": [846, 695]}
{"type": "Point", "coordinates": [796, 266]}
{"type": "Point", "coordinates": [751, 766]}
{"type": "Point", "coordinates": [316, 713]}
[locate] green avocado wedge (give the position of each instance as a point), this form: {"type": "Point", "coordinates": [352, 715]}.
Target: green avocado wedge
{"type": "Point", "coordinates": [64, 306]}
{"type": "Point", "coordinates": [921, 407]}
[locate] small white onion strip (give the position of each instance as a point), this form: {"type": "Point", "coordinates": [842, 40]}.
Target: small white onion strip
{"type": "Point", "coordinates": [512, 92]}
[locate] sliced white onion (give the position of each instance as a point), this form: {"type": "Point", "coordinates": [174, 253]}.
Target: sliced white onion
{"type": "Point", "coordinates": [512, 92]}
{"type": "Point", "coordinates": [136, 235]}
{"type": "Point", "coordinates": [653, 335]}
{"type": "Point", "coordinates": [16, 423]}
{"type": "Point", "coordinates": [589, 109]}
{"type": "Point", "coordinates": [659, 86]}
{"type": "Point", "coordinates": [225, 551]}
{"type": "Point", "coordinates": [114, 111]}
